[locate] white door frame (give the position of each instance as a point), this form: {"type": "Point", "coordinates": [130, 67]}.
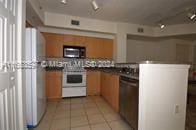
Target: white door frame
{"type": "Point", "coordinates": [20, 57]}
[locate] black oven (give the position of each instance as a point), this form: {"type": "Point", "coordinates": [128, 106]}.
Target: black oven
{"type": "Point", "coordinates": [74, 52]}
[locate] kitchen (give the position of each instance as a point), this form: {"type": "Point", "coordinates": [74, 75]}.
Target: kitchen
{"type": "Point", "coordinates": [110, 65]}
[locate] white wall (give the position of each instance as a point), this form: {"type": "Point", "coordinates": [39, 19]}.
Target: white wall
{"type": "Point", "coordinates": [64, 21]}
{"type": "Point", "coordinates": [158, 49]}
{"type": "Point", "coordinates": [172, 30]}
{"type": "Point", "coordinates": [121, 38]}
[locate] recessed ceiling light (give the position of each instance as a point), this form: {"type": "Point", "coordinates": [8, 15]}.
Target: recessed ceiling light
{"type": "Point", "coordinates": [95, 5]}
{"type": "Point", "coordinates": [64, 1]}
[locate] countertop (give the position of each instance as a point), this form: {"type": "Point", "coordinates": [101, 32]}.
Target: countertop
{"type": "Point", "coordinates": [115, 71]}
{"type": "Point", "coordinates": [54, 68]}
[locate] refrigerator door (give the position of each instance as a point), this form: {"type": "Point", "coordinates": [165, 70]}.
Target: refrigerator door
{"type": "Point", "coordinates": [35, 79]}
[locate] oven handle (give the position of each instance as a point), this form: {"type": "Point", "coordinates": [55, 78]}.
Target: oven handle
{"type": "Point", "coordinates": [130, 83]}
{"type": "Point", "coordinates": [75, 73]}
{"type": "Point", "coordinates": [73, 86]}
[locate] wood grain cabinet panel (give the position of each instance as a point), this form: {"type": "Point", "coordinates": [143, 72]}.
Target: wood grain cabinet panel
{"type": "Point", "coordinates": [53, 45]}
{"type": "Point", "coordinates": [74, 40]}
{"type": "Point", "coordinates": [80, 41]}
{"type": "Point", "coordinates": [110, 89]}
{"type": "Point", "coordinates": [68, 40]}
{"type": "Point", "coordinates": [53, 84]}
{"type": "Point", "coordinates": [93, 47]}
{"type": "Point", "coordinates": [107, 48]}
{"type": "Point", "coordinates": [105, 88]}
{"type": "Point", "coordinates": [114, 91]}
{"type": "Point", "coordinates": [99, 48]}
{"type": "Point", "coordinates": [93, 82]}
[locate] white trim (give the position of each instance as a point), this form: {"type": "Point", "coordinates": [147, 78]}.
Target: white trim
{"type": "Point", "coordinates": [20, 52]}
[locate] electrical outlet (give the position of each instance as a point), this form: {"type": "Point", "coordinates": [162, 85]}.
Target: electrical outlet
{"type": "Point", "coordinates": [177, 109]}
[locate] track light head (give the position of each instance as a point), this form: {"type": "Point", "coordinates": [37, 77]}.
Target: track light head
{"type": "Point", "coordinates": [161, 25]}
{"type": "Point", "coordinates": [191, 15]}
{"type": "Point", "coordinates": [95, 5]}
{"type": "Point", "coordinates": [64, 2]}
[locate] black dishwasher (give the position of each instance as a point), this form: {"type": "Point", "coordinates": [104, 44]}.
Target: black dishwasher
{"type": "Point", "coordinates": [129, 100]}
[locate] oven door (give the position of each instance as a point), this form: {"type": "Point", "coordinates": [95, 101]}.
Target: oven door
{"type": "Point", "coordinates": [74, 79]}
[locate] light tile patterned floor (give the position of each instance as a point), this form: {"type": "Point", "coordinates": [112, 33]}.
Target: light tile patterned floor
{"type": "Point", "coordinates": [86, 113]}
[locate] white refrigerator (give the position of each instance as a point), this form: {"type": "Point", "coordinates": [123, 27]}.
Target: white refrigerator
{"type": "Point", "coordinates": [35, 77]}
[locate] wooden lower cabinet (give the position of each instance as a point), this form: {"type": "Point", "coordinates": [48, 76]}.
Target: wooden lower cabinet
{"type": "Point", "coordinates": [53, 84]}
{"type": "Point", "coordinates": [93, 83]}
{"type": "Point", "coordinates": [110, 89]}
{"type": "Point", "coordinates": [114, 92]}
{"type": "Point", "coordinates": [105, 83]}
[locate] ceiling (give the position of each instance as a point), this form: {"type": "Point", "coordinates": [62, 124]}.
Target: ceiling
{"type": "Point", "coordinates": [145, 12]}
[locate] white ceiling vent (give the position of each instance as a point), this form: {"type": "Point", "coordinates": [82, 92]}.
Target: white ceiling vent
{"type": "Point", "coordinates": [140, 30]}
{"type": "Point", "coordinates": [75, 22]}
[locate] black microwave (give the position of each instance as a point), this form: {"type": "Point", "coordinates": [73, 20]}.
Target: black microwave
{"type": "Point", "coordinates": [74, 52]}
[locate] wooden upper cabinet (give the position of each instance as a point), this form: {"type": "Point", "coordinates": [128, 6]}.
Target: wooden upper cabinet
{"type": "Point", "coordinates": [93, 47]}
{"type": "Point", "coordinates": [80, 41]}
{"type": "Point", "coordinates": [107, 51]}
{"type": "Point", "coordinates": [74, 40]}
{"type": "Point", "coordinates": [68, 40]}
{"type": "Point", "coordinates": [53, 44]}
{"type": "Point", "coordinates": [99, 48]}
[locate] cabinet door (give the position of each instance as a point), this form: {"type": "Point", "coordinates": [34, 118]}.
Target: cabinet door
{"type": "Point", "coordinates": [79, 41]}
{"type": "Point", "coordinates": [53, 45]}
{"type": "Point", "coordinates": [105, 86]}
{"type": "Point", "coordinates": [93, 47]}
{"type": "Point", "coordinates": [114, 91]}
{"type": "Point", "coordinates": [68, 40]}
{"type": "Point", "coordinates": [53, 84]}
{"type": "Point", "coordinates": [107, 48]}
{"type": "Point", "coordinates": [93, 83]}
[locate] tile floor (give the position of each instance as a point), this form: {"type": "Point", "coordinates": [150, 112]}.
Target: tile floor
{"type": "Point", "coordinates": [86, 113]}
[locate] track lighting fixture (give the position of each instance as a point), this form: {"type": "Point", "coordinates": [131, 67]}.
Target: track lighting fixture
{"type": "Point", "coordinates": [93, 2]}
{"type": "Point", "coordinates": [191, 15]}
{"type": "Point", "coordinates": [64, 1]}
{"type": "Point", "coordinates": [95, 5]}
{"type": "Point", "coordinates": [161, 25]}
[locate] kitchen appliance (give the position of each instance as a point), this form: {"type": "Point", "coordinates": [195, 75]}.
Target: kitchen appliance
{"type": "Point", "coordinates": [74, 52]}
{"type": "Point", "coordinates": [129, 94]}
{"type": "Point", "coordinates": [74, 82]}
{"type": "Point", "coordinates": [35, 77]}
{"type": "Point", "coordinates": [129, 99]}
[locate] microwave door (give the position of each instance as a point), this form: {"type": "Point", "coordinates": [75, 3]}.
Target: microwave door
{"type": "Point", "coordinates": [71, 53]}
